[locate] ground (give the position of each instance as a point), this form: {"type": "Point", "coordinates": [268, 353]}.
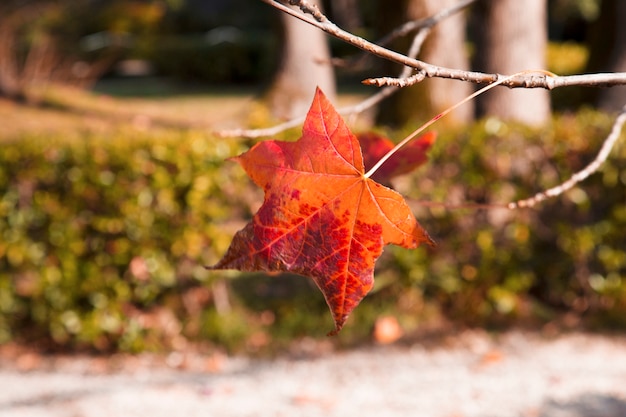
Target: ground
{"type": "Point", "coordinates": [471, 374]}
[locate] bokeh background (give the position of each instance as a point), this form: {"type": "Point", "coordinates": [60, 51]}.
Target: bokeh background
{"type": "Point", "coordinates": [115, 192]}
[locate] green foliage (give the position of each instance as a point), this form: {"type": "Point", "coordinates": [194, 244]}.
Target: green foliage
{"type": "Point", "coordinates": [566, 58]}
{"type": "Point", "coordinates": [496, 265]}
{"type": "Point", "coordinates": [98, 235]}
{"type": "Point", "coordinates": [103, 240]}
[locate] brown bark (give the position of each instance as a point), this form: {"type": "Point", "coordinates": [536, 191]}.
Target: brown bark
{"type": "Point", "coordinates": [613, 99]}
{"type": "Point", "coordinates": [12, 78]}
{"type": "Point", "coordinates": [445, 47]}
{"type": "Point", "coordinates": [513, 38]}
{"type": "Point", "coordinates": [345, 13]}
{"type": "Point", "coordinates": [305, 64]}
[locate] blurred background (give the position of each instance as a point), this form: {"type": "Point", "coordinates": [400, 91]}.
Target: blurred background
{"type": "Point", "coordinates": [115, 192]}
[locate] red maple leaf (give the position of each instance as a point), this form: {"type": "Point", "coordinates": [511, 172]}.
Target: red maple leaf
{"type": "Point", "coordinates": [405, 160]}
{"type": "Point", "coordinates": [321, 216]}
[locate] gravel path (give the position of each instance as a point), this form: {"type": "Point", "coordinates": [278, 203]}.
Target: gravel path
{"type": "Point", "coordinates": [516, 375]}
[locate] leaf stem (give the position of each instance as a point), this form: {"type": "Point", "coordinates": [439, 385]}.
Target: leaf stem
{"type": "Point", "coordinates": [412, 136]}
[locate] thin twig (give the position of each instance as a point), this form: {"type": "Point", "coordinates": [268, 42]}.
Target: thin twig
{"type": "Point", "coordinates": [607, 146]}
{"type": "Point", "coordinates": [405, 75]}
{"type": "Point", "coordinates": [396, 82]}
{"type": "Point", "coordinates": [581, 175]}
{"type": "Point", "coordinates": [526, 79]}
{"type": "Point", "coordinates": [273, 130]}
{"type": "Point", "coordinates": [429, 22]}
{"type": "Point", "coordinates": [458, 206]}
{"type": "Point", "coordinates": [390, 84]}
{"type": "Point", "coordinates": [407, 28]}
{"type": "Point", "coordinates": [311, 9]}
{"type": "Point", "coordinates": [259, 133]}
{"type": "Point", "coordinates": [434, 71]}
{"type": "Point", "coordinates": [423, 127]}
{"type": "Point", "coordinates": [404, 79]}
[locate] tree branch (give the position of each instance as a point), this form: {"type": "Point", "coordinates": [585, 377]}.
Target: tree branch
{"type": "Point", "coordinates": [527, 79]}
{"type": "Point", "coordinates": [405, 29]}
{"type": "Point", "coordinates": [317, 19]}
{"type": "Point", "coordinates": [607, 146]}
{"type": "Point", "coordinates": [429, 22]}
{"type": "Point", "coordinates": [404, 79]}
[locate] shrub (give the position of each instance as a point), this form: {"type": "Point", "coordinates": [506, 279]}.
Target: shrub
{"type": "Point", "coordinates": [103, 239]}
{"type": "Point", "coordinates": [496, 265]}
{"type": "Point", "coordinates": [99, 234]}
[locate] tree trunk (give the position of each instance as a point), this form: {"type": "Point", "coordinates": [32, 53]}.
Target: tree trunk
{"type": "Point", "coordinates": [445, 46]}
{"type": "Point", "coordinates": [512, 38]}
{"type": "Point", "coordinates": [345, 14]}
{"type": "Point", "coordinates": [12, 85]}
{"type": "Point", "coordinates": [614, 98]}
{"type": "Point", "coordinates": [304, 65]}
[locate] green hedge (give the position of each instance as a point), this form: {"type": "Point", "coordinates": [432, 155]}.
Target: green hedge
{"type": "Point", "coordinates": [103, 239]}
{"type": "Point", "coordinates": [495, 265]}
{"type": "Point", "coordinates": [95, 233]}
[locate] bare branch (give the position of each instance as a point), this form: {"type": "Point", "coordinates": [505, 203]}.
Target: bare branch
{"type": "Point", "coordinates": [346, 111]}
{"type": "Point", "coordinates": [526, 79]}
{"type": "Point", "coordinates": [403, 80]}
{"type": "Point", "coordinates": [458, 206]}
{"type": "Point", "coordinates": [311, 9]}
{"type": "Point", "coordinates": [423, 127]}
{"type": "Point", "coordinates": [396, 82]}
{"type": "Point", "coordinates": [406, 28]}
{"type": "Point", "coordinates": [429, 22]}
{"type": "Point", "coordinates": [258, 133]}
{"type": "Point", "coordinates": [607, 146]}
{"type": "Point", "coordinates": [431, 71]}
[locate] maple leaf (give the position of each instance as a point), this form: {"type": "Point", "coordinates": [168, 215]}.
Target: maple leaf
{"type": "Point", "coordinates": [405, 160]}
{"type": "Point", "coordinates": [321, 216]}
